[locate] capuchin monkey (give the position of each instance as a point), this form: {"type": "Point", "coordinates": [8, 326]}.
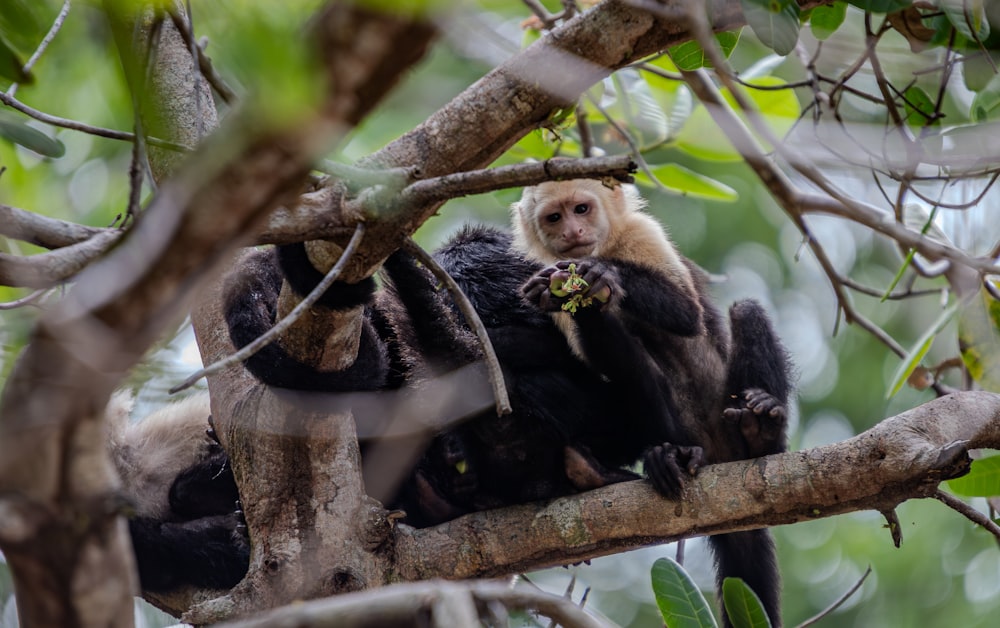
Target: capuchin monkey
{"type": "Point", "coordinates": [186, 529]}
{"type": "Point", "coordinates": [706, 393]}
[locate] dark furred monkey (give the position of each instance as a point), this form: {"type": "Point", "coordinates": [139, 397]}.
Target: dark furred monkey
{"type": "Point", "coordinates": [660, 337]}
{"type": "Point", "coordinates": [412, 331]}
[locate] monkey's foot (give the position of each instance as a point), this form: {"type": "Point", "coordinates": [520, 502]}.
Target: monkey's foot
{"type": "Point", "coordinates": [667, 466]}
{"type": "Point", "coordinates": [763, 421]}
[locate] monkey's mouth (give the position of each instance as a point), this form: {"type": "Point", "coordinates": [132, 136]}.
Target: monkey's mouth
{"type": "Point", "coordinates": [582, 249]}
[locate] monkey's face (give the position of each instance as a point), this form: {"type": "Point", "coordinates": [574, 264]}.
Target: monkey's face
{"type": "Point", "coordinates": [570, 217]}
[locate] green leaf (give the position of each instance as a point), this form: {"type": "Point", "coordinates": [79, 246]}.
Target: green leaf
{"type": "Point", "coordinates": [690, 56]}
{"type": "Point", "coordinates": [986, 102]}
{"type": "Point", "coordinates": [11, 66]}
{"type": "Point", "coordinates": [979, 340]}
{"type": "Point", "coordinates": [968, 17]}
{"type": "Point", "coordinates": [983, 479]}
{"type": "Point", "coordinates": [17, 131]}
{"type": "Point", "coordinates": [681, 603]}
{"type": "Point", "coordinates": [687, 182]}
{"type": "Point", "coordinates": [919, 108]}
{"type": "Point", "coordinates": [703, 138]}
{"type": "Point", "coordinates": [825, 20]}
{"type": "Point", "coordinates": [977, 70]}
{"type": "Point", "coordinates": [637, 106]}
{"type": "Point", "coordinates": [775, 22]}
{"type": "Point", "coordinates": [920, 349]}
{"type": "Point", "coordinates": [742, 605]}
{"type": "Point", "coordinates": [881, 6]}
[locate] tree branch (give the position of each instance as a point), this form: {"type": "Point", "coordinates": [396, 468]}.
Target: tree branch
{"type": "Point", "coordinates": [903, 457]}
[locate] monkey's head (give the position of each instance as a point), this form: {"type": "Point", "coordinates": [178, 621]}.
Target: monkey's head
{"type": "Point", "coordinates": [560, 220]}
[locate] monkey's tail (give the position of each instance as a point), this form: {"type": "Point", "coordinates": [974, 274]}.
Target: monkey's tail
{"type": "Point", "coordinates": [751, 556]}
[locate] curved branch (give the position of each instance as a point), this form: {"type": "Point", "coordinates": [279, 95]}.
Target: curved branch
{"type": "Point", "coordinates": [54, 267]}
{"type": "Point", "coordinates": [43, 231]}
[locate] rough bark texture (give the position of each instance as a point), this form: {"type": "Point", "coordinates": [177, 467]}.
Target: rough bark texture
{"type": "Point", "coordinates": [54, 473]}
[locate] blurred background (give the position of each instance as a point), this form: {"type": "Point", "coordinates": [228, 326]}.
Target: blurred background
{"type": "Point", "coordinates": [947, 572]}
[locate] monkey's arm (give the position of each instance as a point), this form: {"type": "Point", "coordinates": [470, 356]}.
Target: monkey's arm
{"type": "Point", "coordinates": [250, 300]}
{"type": "Point", "coordinates": [644, 295]}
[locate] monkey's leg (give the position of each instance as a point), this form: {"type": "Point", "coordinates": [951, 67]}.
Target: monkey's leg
{"type": "Point", "coordinates": [586, 473]}
{"type": "Point", "coordinates": [758, 380]}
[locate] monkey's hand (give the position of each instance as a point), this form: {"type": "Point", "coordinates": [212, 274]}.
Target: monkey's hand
{"type": "Point", "coordinates": [536, 291]}
{"type": "Point", "coordinates": [603, 279]}
{"type": "Point", "coordinates": [763, 421]}
{"type": "Point", "coordinates": [667, 465]}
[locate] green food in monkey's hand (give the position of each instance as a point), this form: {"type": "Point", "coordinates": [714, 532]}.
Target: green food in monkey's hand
{"type": "Point", "coordinates": [567, 283]}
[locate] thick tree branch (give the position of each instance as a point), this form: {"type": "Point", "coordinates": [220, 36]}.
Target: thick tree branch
{"type": "Point", "coordinates": [901, 458]}
{"type": "Point", "coordinates": [54, 472]}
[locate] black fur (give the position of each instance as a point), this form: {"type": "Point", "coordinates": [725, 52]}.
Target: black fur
{"type": "Point", "coordinates": [706, 398]}
{"type": "Point", "coordinates": [189, 533]}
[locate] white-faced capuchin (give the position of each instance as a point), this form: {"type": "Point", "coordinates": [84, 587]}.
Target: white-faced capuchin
{"type": "Point", "coordinates": [700, 392]}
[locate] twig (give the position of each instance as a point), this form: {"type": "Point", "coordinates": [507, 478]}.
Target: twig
{"type": "Point", "coordinates": [472, 318]}
{"type": "Point", "coordinates": [968, 512]}
{"type": "Point", "coordinates": [481, 181]}
{"type": "Point", "coordinates": [53, 31]}
{"type": "Point", "coordinates": [49, 233]}
{"type": "Point", "coordinates": [186, 29]}
{"type": "Point", "coordinates": [73, 125]}
{"type": "Point", "coordinates": [27, 300]}
{"type": "Point", "coordinates": [286, 322]}
{"type": "Point", "coordinates": [843, 598]}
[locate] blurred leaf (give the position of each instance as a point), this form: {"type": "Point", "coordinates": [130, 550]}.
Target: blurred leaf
{"type": "Point", "coordinates": [978, 70]}
{"type": "Point", "coordinates": [17, 131]}
{"type": "Point", "coordinates": [681, 603]}
{"type": "Point", "coordinates": [690, 56]}
{"type": "Point", "coordinates": [919, 349]}
{"type": "Point", "coordinates": [968, 17]}
{"type": "Point", "coordinates": [881, 6]}
{"type": "Point", "coordinates": [11, 66]}
{"type": "Point", "coordinates": [687, 182]}
{"type": "Point", "coordinates": [23, 23]}
{"type": "Point", "coordinates": [979, 339]}
{"type": "Point", "coordinates": [910, 24]}
{"type": "Point", "coordinates": [702, 137]}
{"type": "Point", "coordinates": [982, 480]}
{"type": "Point", "coordinates": [742, 605]}
{"type": "Point", "coordinates": [762, 68]}
{"type": "Point", "coordinates": [919, 108]}
{"type": "Point", "coordinates": [825, 20]}
{"type": "Point", "coordinates": [774, 22]}
{"type": "Point", "coordinates": [987, 100]}
{"type": "Point", "coordinates": [632, 102]}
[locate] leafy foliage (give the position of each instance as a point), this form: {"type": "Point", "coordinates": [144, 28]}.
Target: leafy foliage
{"type": "Point", "coordinates": [982, 480]}
{"type": "Point", "coordinates": [743, 606]}
{"type": "Point", "coordinates": [680, 601]}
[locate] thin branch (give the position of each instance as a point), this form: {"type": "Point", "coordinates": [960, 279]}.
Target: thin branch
{"type": "Point", "coordinates": [264, 339]}
{"type": "Point", "coordinates": [481, 181]}
{"type": "Point", "coordinates": [837, 603]}
{"type": "Point", "coordinates": [186, 29]}
{"type": "Point", "coordinates": [968, 512]}
{"type": "Point", "coordinates": [66, 123]}
{"type": "Point", "coordinates": [23, 301]}
{"type": "Point", "coordinates": [42, 231]}
{"type": "Point", "coordinates": [472, 318]}
{"type": "Point", "coordinates": [400, 603]}
{"type": "Point", "coordinates": [46, 270]}
{"type": "Point", "coordinates": [53, 31]}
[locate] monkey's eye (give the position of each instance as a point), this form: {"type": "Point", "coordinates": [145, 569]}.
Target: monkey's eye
{"type": "Point", "coordinates": [582, 208]}
{"type": "Point", "coordinates": [552, 218]}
